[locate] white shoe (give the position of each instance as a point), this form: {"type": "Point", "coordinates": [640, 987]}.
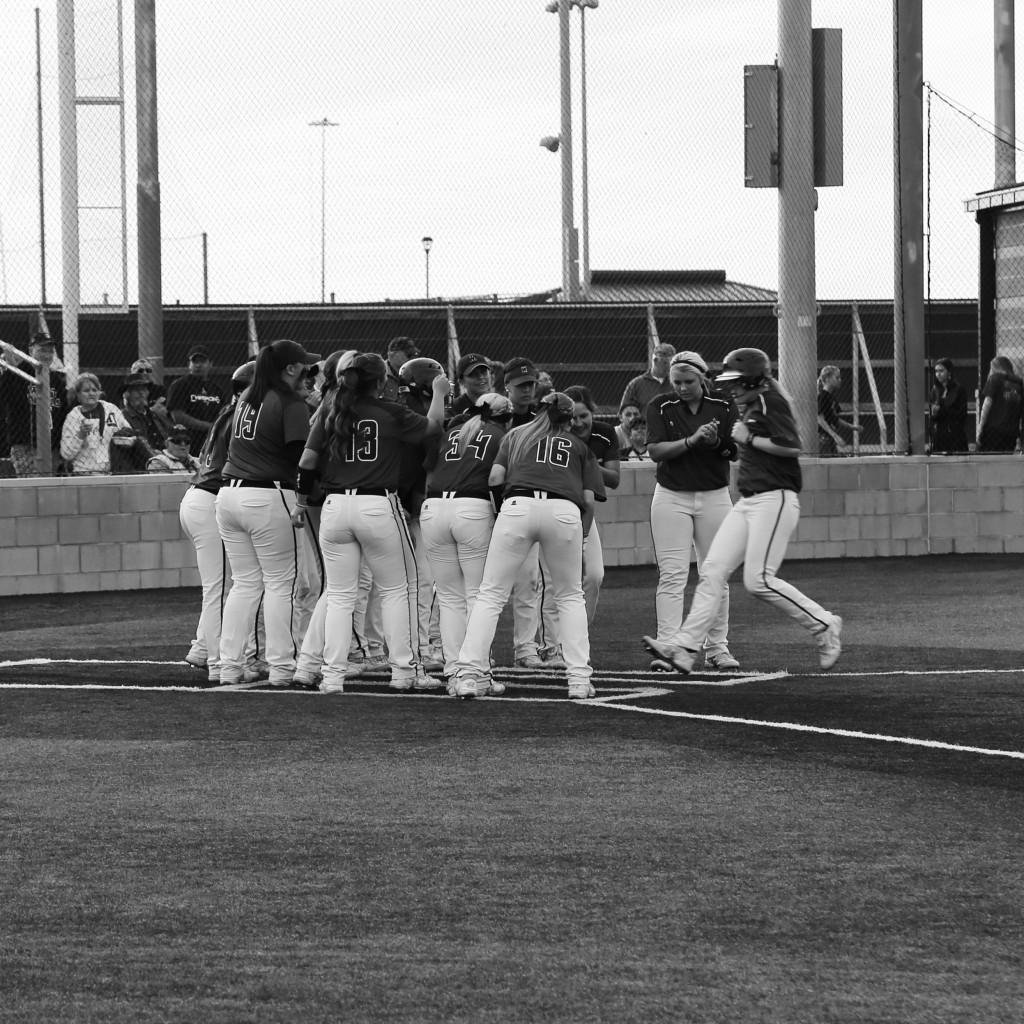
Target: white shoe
{"type": "Point", "coordinates": [581, 689]}
{"type": "Point", "coordinates": [660, 665]}
{"type": "Point", "coordinates": [331, 687]}
{"type": "Point", "coordinates": [494, 688]}
{"type": "Point", "coordinates": [402, 684]}
{"type": "Point", "coordinates": [720, 660]}
{"type": "Point", "coordinates": [534, 661]}
{"type": "Point", "coordinates": [425, 682]}
{"type": "Point", "coordinates": [829, 644]}
{"type": "Point", "coordinates": [433, 659]}
{"type": "Point", "coordinates": [306, 679]}
{"type": "Point", "coordinates": [468, 686]}
{"type": "Point", "coordinates": [195, 661]}
{"type": "Point", "coordinates": [214, 677]}
{"type": "Point", "coordinates": [678, 657]}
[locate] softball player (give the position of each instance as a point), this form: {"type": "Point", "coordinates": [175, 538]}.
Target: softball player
{"type": "Point", "coordinates": [600, 439]}
{"type": "Point", "coordinates": [458, 515]}
{"type": "Point", "coordinates": [689, 436]}
{"type": "Point", "coordinates": [198, 516]}
{"type": "Point", "coordinates": [354, 449]}
{"type": "Point", "coordinates": [550, 480]}
{"type": "Point", "coordinates": [757, 529]}
{"type": "Point", "coordinates": [268, 433]}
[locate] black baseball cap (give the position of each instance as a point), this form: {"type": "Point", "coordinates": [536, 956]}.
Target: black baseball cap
{"type": "Point", "coordinates": [287, 352]}
{"type": "Point", "coordinates": [470, 362]}
{"type": "Point", "coordinates": [403, 344]}
{"type": "Point", "coordinates": [519, 370]}
{"type": "Point", "coordinates": [198, 352]}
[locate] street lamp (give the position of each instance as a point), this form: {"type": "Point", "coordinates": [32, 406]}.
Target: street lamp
{"type": "Point", "coordinates": [427, 244]}
{"type": "Point", "coordinates": [323, 126]}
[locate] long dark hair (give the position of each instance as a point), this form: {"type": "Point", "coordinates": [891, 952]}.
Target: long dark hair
{"type": "Point", "coordinates": [581, 394]}
{"type": "Point", "coordinates": [361, 379]}
{"type": "Point", "coordinates": [266, 377]}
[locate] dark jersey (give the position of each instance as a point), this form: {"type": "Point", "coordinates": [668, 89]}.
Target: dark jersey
{"type": "Point", "coordinates": [1002, 425]}
{"type": "Point", "coordinates": [466, 466]}
{"type": "Point", "coordinates": [557, 463]}
{"type": "Point", "coordinates": [702, 467]}
{"type": "Point", "coordinates": [18, 405]}
{"type": "Point", "coordinates": [373, 456]}
{"type": "Point", "coordinates": [214, 455]}
{"type": "Point", "coordinates": [603, 443]}
{"type": "Point", "coordinates": [195, 397]}
{"type": "Point", "coordinates": [770, 416]}
{"type": "Point", "coordinates": [260, 436]}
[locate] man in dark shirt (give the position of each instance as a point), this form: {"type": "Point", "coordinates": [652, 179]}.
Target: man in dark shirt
{"type": "Point", "coordinates": [192, 400]}
{"type": "Point", "coordinates": [400, 351]}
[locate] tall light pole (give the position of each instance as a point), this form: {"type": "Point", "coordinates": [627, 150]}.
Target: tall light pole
{"type": "Point", "coordinates": [323, 126]}
{"type": "Point", "coordinates": [427, 243]}
{"type": "Point", "coordinates": [584, 197]}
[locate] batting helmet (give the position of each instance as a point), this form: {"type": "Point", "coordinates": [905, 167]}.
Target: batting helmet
{"type": "Point", "coordinates": [749, 366]}
{"type": "Point", "coordinates": [242, 377]}
{"type": "Point", "coordinates": [495, 407]}
{"type": "Point", "coordinates": [418, 374]}
{"type": "Point", "coordinates": [560, 406]}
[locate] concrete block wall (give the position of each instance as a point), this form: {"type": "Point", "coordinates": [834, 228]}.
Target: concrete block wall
{"type": "Point", "coordinates": [70, 535]}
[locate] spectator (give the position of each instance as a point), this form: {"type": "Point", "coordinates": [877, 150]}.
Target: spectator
{"type": "Point", "coordinates": [193, 400]}
{"type": "Point", "coordinates": [948, 410]}
{"type": "Point", "coordinates": [400, 350]}
{"type": "Point", "coordinates": [175, 457]}
{"type": "Point", "coordinates": [640, 390]}
{"type": "Point", "coordinates": [830, 421]}
{"type": "Point", "coordinates": [157, 392]}
{"type": "Point", "coordinates": [473, 372]}
{"type": "Point", "coordinates": [636, 450]}
{"type": "Point", "coordinates": [628, 415]}
{"type": "Point", "coordinates": [89, 428]}
{"type": "Point", "coordinates": [520, 377]}
{"type": "Point", "coordinates": [148, 420]}
{"type": "Point", "coordinates": [999, 419]}
{"type": "Point", "coordinates": [18, 406]}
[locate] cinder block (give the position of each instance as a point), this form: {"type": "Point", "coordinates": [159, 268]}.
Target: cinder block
{"type": "Point", "coordinates": [978, 545]}
{"type": "Point", "coordinates": [18, 498]}
{"type": "Point", "coordinates": [172, 489]}
{"type": "Point", "coordinates": [872, 476]}
{"type": "Point", "coordinates": [644, 556]}
{"type": "Point", "coordinates": [627, 480]}
{"type": "Point", "coordinates": [159, 579]}
{"type": "Point", "coordinates": [102, 499]}
{"type": "Point", "coordinates": [58, 501]}
{"type": "Point", "coordinates": [40, 531]}
{"type": "Point", "coordinates": [940, 499]}
{"type": "Point", "coordinates": [141, 494]}
{"type": "Point", "coordinates": [177, 554]}
{"type": "Point", "coordinates": [618, 536]}
{"type": "Point", "coordinates": [124, 580]}
{"type": "Point", "coordinates": [799, 551]}
{"type": "Point", "coordinates": [829, 549]}
{"type": "Point", "coordinates": [635, 508]}
{"type": "Point", "coordinates": [844, 528]}
{"type": "Point", "coordinates": [1014, 544]}
{"type": "Point", "coordinates": [100, 558]}
{"type": "Point", "coordinates": [956, 524]}
{"type": "Point", "coordinates": [644, 536]}
{"type": "Point", "coordinates": [941, 545]}
{"type": "Point", "coordinates": [863, 549]}
{"type": "Point", "coordinates": [998, 524]}
{"type": "Point", "coordinates": [19, 562]}
{"type": "Point", "coordinates": [77, 529]}
{"type": "Point", "coordinates": [984, 499]}
{"type": "Point", "coordinates": [121, 528]}
{"type": "Point", "coordinates": [161, 526]}
{"type": "Point", "coordinates": [908, 527]}
{"type": "Point", "coordinates": [80, 582]}
{"type": "Point", "coordinates": [1013, 499]}
{"type": "Point", "coordinates": [143, 555]}
{"type": "Point", "coordinates": [876, 527]}
{"type": "Point", "coordinates": [812, 528]}
{"type": "Point", "coordinates": [611, 557]}
{"type": "Point", "coordinates": [825, 503]}
{"type": "Point", "coordinates": [23, 585]}
{"type": "Point", "coordinates": [907, 476]}
{"type": "Point", "coordinates": [815, 475]}
{"type": "Point", "coordinates": [916, 547]}
{"type": "Point", "coordinates": [58, 559]}
{"type": "Point", "coordinates": [8, 532]}
{"type": "Point", "coordinates": [189, 577]}
{"type": "Point", "coordinates": [906, 503]}
{"type": "Point", "coordinates": [1000, 471]}
{"type": "Point", "coordinates": [956, 475]}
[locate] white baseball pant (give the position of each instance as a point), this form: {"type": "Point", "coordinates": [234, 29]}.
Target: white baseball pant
{"type": "Point", "coordinates": [756, 532]}
{"type": "Point", "coordinates": [198, 516]}
{"type": "Point", "coordinates": [456, 533]}
{"type": "Point", "coordinates": [556, 526]}
{"type": "Point", "coordinates": [681, 522]}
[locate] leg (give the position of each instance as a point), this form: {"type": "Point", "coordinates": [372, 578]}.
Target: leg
{"type": "Point", "coordinates": [243, 599]}
{"type": "Point", "coordinates": [198, 516]}
{"type": "Point", "coordinates": [672, 527]}
{"type": "Point", "coordinates": [526, 608]}
{"type": "Point", "coordinates": [711, 509]}
{"type": "Point", "coordinates": [593, 570]}
{"type": "Point", "coordinates": [437, 521]}
{"type": "Point", "coordinates": [342, 556]}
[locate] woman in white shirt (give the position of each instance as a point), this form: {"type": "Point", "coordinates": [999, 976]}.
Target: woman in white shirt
{"type": "Point", "coordinates": [89, 427]}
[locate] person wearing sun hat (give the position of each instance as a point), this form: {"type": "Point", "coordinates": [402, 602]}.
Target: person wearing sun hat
{"type": "Point", "coordinates": [175, 457]}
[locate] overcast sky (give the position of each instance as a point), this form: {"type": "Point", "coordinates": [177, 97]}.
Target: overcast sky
{"type": "Point", "coordinates": [440, 106]}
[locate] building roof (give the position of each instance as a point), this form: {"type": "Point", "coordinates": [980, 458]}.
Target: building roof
{"type": "Point", "coordinates": [672, 286]}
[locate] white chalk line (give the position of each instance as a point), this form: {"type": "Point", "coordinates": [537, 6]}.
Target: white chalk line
{"type": "Point", "coordinates": [818, 730]}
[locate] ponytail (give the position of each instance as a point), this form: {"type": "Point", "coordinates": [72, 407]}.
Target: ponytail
{"type": "Point", "coordinates": [360, 379]}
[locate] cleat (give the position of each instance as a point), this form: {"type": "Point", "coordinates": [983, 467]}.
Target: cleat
{"type": "Point", "coordinates": [424, 682]}
{"type": "Point", "coordinates": [721, 660]}
{"type": "Point", "coordinates": [468, 686]}
{"type": "Point", "coordinates": [678, 657]}
{"type": "Point", "coordinates": [494, 688]}
{"type": "Point", "coordinates": [331, 687]}
{"type": "Point", "coordinates": [660, 665]}
{"type": "Point", "coordinates": [306, 680]}
{"type": "Point", "coordinates": [829, 644]}
{"type": "Point", "coordinates": [553, 657]}
{"type": "Point", "coordinates": [196, 661]}
{"type": "Point", "coordinates": [534, 661]}
{"type": "Point", "coordinates": [581, 689]}
{"type": "Point", "coordinates": [449, 685]}
{"type": "Point", "coordinates": [250, 674]}
{"type": "Point", "coordinates": [433, 659]}
{"type": "Point", "coordinates": [375, 664]}
{"type": "Point", "coordinates": [403, 684]}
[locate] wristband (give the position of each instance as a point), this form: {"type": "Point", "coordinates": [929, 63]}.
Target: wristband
{"type": "Point", "coordinates": [305, 480]}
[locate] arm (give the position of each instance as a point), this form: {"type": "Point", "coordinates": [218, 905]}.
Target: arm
{"type": "Point", "coordinates": [435, 414]}
{"type": "Point", "coordinates": [611, 473]}
{"type": "Point", "coordinates": [72, 436]}
{"type": "Point", "coordinates": [661, 450]}
{"type": "Point", "coordinates": [986, 408]}
{"type": "Point", "coordinates": [826, 427]}
{"type": "Point", "coordinates": [741, 433]}
{"type": "Point", "coordinates": [588, 511]}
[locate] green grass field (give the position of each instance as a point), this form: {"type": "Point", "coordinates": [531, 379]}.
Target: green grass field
{"type": "Point", "coordinates": [771, 845]}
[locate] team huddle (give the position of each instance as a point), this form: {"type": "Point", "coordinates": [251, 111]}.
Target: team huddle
{"type": "Point", "coordinates": [391, 526]}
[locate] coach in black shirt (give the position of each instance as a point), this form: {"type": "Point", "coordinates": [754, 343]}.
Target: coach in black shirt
{"type": "Point", "coordinates": [193, 401]}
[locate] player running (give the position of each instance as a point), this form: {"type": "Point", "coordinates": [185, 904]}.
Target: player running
{"type": "Point", "coordinates": [354, 449]}
{"type": "Point", "coordinates": [689, 436]}
{"type": "Point", "coordinates": [254, 510]}
{"type": "Point", "coordinates": [550, 479]}
{"type": "Point", "coordinates": [757, 529]}
{"type": "Point", "coordinates": [458, 515]}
